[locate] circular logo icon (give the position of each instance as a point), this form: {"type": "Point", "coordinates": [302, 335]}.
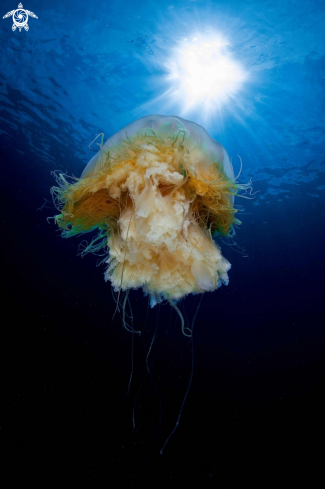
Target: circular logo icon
{"type": "Point", "coordinates": [20, 18]}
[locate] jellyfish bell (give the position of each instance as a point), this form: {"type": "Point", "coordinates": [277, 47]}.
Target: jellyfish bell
{"type": "Point", "coordinates": [165, 126]}
{"type": "Point", "coordinates": [157, 191]}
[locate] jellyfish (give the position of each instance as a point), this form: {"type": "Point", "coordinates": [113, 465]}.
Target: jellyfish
{"type": "Point", "coordinates": [158, 192]}
{"type": "Point", "coordinates": [155, 198]}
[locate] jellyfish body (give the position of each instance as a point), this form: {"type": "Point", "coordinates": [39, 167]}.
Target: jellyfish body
{"type": "Point", "coordinates": [157, 191]}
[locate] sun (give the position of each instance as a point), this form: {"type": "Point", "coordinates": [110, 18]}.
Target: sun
{"type": "Point", "coordinates": [201, 73]}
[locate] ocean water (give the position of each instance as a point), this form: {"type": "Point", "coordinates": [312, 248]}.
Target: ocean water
{"type": "Point", "coordinates": [254, 412]}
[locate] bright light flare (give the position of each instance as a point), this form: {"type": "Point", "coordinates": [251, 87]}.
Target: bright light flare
{"type": "Point", "coordinates": [202, 73]}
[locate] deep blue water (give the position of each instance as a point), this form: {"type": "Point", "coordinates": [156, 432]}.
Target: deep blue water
{"type": "Point", "coordinates": [254, 412]}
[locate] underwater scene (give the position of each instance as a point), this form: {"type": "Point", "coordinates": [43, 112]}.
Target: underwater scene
{"type": "Point", "coordinates": [163, 205]}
